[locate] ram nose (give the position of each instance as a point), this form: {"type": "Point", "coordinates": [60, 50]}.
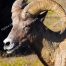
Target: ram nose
{"type": "Point", "coordinates": [8, 44]}
{"type": "Point", "coordinates": [7, 41]}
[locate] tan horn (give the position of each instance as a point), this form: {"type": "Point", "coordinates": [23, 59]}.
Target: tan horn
{"type": "Point", "coordinates": [38, 6]}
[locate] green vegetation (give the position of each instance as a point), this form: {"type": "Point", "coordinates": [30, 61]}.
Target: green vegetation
{"type": "Point", "coordinates": [20, 61]}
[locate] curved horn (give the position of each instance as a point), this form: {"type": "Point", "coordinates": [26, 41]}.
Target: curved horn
{"type": "Point", "coordinates": [16, 7]}
{"type": "Point", "coordinates": [37, 6]}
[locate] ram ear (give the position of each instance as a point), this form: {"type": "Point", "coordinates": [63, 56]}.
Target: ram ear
{"type": "Point", "coordinates": [56, 17]}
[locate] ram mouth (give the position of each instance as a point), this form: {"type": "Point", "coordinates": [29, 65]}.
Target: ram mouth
{"type": "Point", "coordinates": [11, 48]}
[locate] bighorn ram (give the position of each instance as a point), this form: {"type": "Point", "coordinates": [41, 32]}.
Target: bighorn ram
{"type": "Point", "coordinates": [25, 27]}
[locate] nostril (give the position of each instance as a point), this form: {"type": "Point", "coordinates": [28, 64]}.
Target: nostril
{"type": "Point", "coordinates": [8, 43]}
